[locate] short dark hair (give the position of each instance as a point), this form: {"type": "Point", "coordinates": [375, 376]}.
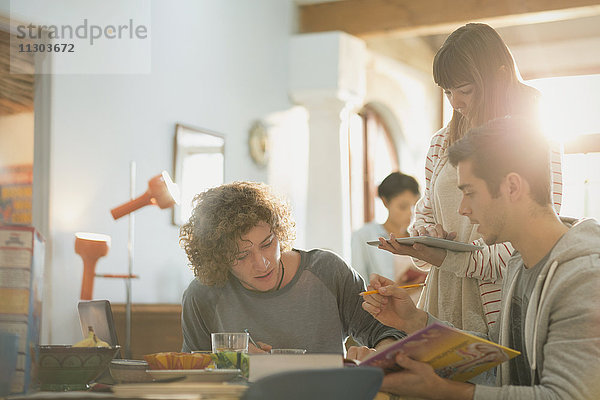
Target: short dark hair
{"type": "Point", "coordinates": [506, 145]}
{"type": "Point", "coordinates": [396, 183]}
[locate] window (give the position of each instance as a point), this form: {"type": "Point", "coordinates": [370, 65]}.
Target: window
{"type": "Point", "coordinates": [569, 115]}
{"type": "Point", "coordinates": [373, 156]}
{"type": "Point", "coordinates": [199, 165]}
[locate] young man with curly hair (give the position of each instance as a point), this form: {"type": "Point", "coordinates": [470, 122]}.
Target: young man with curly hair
{"type": "Point", "coordinates": [248, 276]}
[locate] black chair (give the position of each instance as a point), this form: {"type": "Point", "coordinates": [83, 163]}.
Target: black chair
{"type": "Point", "coordinates": [331, 384]}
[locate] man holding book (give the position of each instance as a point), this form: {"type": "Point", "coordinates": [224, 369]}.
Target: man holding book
{"type": "Point", "coordinates": [550, 297]}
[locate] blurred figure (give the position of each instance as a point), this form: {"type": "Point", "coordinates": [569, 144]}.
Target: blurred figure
{"type": "Point", "coordinates": [399, 193]}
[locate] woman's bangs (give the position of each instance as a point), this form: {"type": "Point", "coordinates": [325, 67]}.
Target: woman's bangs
{"type": "Point", "coordinates": [450, 69]}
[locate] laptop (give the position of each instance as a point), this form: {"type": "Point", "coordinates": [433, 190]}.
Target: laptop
{"type": "Point", "coordinates": [98, 315]}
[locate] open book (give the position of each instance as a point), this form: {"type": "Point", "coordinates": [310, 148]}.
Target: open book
{"type": "Point", "coordinates": [453, 353]}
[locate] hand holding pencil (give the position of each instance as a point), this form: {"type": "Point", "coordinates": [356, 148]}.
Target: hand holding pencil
{"type": "Point", "coordinates": [399, 287]}
{"type": "Point", "coordinates": [391, 306]}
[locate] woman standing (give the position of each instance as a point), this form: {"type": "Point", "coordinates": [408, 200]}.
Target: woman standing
{"type": "Point", "coordinates": [477, 72]}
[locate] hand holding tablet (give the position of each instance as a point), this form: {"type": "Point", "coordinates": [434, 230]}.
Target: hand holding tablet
{"type": "Point", "coordinates": [433, 242]}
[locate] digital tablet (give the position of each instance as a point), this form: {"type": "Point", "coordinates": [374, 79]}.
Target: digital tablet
{"type": "Point", "coordinates": [433, 242]}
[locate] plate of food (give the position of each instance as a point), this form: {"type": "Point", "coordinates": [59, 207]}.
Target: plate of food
{"type": "Point", "coordinates": [196, 375]}
{"type": "Point", "coordinates": [433, 242]}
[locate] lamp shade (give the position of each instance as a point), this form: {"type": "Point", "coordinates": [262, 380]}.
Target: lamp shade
{"type": "Point", "coordinates": [90, 246]}
{"type": "Point", "coordinates": [162, 191]}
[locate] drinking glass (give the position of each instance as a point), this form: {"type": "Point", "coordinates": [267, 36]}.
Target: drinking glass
{"type": "Point", "coordinates": [229, 341]}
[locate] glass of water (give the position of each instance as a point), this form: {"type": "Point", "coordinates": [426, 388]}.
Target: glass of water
{"type": "Point", "coordinates": [229, 341]}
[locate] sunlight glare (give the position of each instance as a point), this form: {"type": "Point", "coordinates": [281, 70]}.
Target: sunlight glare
{"type": "Point", "coordinates": [569, 106]}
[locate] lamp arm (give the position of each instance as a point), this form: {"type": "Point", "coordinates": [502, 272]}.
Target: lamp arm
{"type": "Point", "coordinates": [132, 205]}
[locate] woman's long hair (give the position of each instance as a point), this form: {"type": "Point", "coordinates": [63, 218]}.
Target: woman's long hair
{"type": "Point", "coordinates": [475, 53]}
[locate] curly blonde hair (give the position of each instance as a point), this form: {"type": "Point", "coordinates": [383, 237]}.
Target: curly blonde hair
{"type": "Point", "coordinates": [221, 216]}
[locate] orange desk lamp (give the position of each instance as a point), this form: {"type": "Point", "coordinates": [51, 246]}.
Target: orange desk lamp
{"type": "Point", "coordinates": [90, 246]}
{"type": "Point", "coordinates": [161, 192]}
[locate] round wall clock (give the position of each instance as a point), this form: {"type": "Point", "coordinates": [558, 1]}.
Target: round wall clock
{"type": "Point", "coordinates": [258, 142]}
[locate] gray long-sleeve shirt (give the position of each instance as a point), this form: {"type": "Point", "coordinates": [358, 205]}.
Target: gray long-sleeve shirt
{"type": "Point", "coordinates": [316, 311]}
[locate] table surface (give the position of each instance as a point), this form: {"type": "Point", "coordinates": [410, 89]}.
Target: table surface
{"type": "Point", "coordinates": [157, 390]}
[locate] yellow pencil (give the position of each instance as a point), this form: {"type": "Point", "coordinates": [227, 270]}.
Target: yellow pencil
{"type": "Point", "coordinates": [400, 287]}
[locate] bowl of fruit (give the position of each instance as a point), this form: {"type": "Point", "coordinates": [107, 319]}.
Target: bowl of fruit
{"type": "Point", "coordinates": [73, 367]}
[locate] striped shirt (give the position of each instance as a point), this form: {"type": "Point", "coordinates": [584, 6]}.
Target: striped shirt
{"type": "Point", "coordinates": [465, 290]}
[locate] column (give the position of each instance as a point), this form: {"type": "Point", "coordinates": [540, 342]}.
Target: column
{"type": "Point", "coordinates": [328, 79]}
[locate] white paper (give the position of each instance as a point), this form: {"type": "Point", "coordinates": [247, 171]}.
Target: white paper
{"type": "Point", "coordinates": [268, 364]}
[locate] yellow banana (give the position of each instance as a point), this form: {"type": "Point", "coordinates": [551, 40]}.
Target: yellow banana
{"type": "Point", "coordinates": [91, 340]}
{"type": "Point", "coordinates": [88, 341]}
{"type": "Point", "coordinates": [100, 342]}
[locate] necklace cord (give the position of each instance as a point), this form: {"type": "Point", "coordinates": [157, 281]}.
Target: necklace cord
{"type": "Point", "coordinates": [282, 273]}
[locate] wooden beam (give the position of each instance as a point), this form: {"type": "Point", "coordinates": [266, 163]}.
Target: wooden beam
{"type": "Point", "coordinates": [559, 58]}
{"type": "Point", "coordinates": [426, 17]}
{"type": "Point", "coordinates": [9, 24]}
{"type": "Point", "coordinates": [16, 89]}
{"type": "Point", "coordinates": [414, 52]}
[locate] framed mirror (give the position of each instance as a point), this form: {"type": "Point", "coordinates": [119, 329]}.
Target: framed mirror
{"type": "Point", "coordinates": [199, 165]}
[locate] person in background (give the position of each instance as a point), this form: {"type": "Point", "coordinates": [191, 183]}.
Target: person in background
{"type": "Point", "coordinates": [247, 276]}
{"type": "Point", "coordinates": [478, 75]}
{"type": "Point", "coordinates": [399, 193]}
{"type": "Point", "coordinates": [550, 298]}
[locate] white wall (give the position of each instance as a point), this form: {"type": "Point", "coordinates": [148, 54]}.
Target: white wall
{"type": "Point", "coordinates": [215, 64]}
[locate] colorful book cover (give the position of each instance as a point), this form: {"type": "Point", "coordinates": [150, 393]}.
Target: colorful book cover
{"type": "Point", "coordinates": [452, 353]}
